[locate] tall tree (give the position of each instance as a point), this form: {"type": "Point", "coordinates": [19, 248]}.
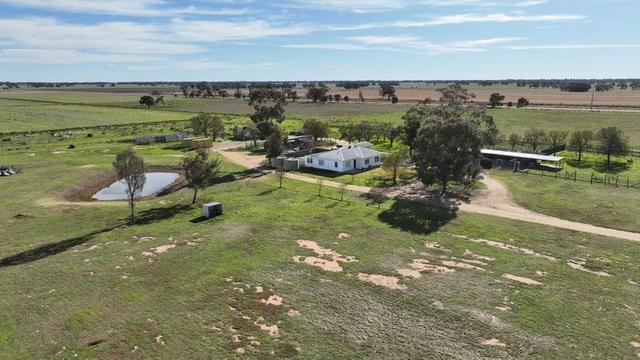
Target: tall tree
{"type": "Point", "coordinates": [580, 141]}
{"type": "Point", "coordinates": [269, 105]}
{"type": "Point", "coordinates": [131, 169]}
{"type": "Point", "coordinates": [557, 137]}
{"type": "Point", "coordinates": [612, 143]}
{"type": "Point", "coordinates": [445, 150]}
{"type": "Point", "coordinates": [316, 93]}
{"type": "Point", "coordinates": [273, 145]}
{"type": "Point", "coordinates": [523, 102]}
{"type": "Point", "coordinates": [207, 125]}
{"type": "Point", "coordinates": [534, 138]}
{"type": "Point", "coordinates": [317, 128]}
{"type": "Point", "coordinates": [393, 162]}
{"type": "Point", "coordinates": [349, 132]}
{"type": "Point", "coordinates": [496, 99]}
{"type": "Point", "coordinates": [394, 133]}
{"type": "Point", "coordinates": [387, 90]}
{"type": "Point", "coordinates": [455, 95]}
{"type": "Point", "coordinates": [200, 171]}
{"type": "Point", "coordinates": [147, 100]}
{"type": "Point", "coordinates": [253, 133]}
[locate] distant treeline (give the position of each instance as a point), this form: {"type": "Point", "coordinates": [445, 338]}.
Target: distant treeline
{"type": "Point", "coordinates": [569, 85]}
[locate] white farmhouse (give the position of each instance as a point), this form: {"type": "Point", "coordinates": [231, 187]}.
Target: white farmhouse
{"type": "Point", "coordinates": [345, 159]}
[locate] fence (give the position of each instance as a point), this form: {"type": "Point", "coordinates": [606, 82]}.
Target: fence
{"type": "Point", "coordinates": [591, 178]}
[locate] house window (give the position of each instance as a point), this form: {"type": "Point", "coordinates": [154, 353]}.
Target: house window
{"type": "Point", "coordinates": [366, 161]}
{"type": "Point", "coordinates": [310, 160]}
{"type": "Point", "coordinates": [321, 162]}
{"type": "Point", "coordinates": [376, 159]}
{"type": "Point", "coordinates": [335, 164]}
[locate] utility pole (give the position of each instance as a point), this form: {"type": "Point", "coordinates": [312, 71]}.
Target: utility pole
{"type": "Point", "coordinates": [593, 95]}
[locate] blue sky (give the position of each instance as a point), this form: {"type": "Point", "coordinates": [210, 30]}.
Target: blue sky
{"type": "Point", "coordinates": [221, 40]}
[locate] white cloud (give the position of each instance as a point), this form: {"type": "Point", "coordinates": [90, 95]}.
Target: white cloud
{"type": "Point", "coordinates": [214, 31]}
{"type": "Point", "coordinates": [65, 56]}
{"type": "Point", "coordinates": [573, 46]}
{"type": "Point", "coordinates": [121, 7]}
{"type": "Point", "coordinates": [405, 43]}
{"type": "Point", "coordinates": [487, 18]}
{"type": "Point", "coordinates": [357, 6]}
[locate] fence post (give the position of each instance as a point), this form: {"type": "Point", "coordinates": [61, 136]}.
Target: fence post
{"type": "Point", "coordinates": [627, 182]}
{"type": "Point", "coordinates": [592, 178]}
{"type": "Point", "coordinates": [575, 176]}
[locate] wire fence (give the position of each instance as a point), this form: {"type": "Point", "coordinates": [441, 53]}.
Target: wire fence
{"type": "Point", "coordinates": [592, 178]}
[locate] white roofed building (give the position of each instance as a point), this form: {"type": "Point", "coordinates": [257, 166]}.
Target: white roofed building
{"type": "Point", "coordinates": [346, 159]}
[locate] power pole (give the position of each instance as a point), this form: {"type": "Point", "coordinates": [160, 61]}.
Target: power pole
{"type": "Point", "coordinates": [593, 95]}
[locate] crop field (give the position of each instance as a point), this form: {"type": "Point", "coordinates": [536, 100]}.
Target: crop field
{"type": "Point", "coordinates": [285, 273]}
{"type": "Point", "coordinates": [16, 116]}
{"type": "Point", "coordinates": [411, 92]}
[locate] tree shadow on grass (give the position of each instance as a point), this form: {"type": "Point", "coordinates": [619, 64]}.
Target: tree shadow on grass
{"type": "Point", "coordinates": [418, 217]}
{"type": "Point", "coordinates": [50, 249]}
{"type": "Point", "coordinates": [580, 164]}
{"type": "Point", "coordinates": [615, 167]}
{"type": "Point", "coordinates": [158, 214]}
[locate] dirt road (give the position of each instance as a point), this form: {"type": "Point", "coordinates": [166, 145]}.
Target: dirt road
{"type": "Point", "coordinates": [494, 200]}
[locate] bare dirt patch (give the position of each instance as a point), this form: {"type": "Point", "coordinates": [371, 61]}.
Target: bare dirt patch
{"type": "Point", "coordinates": [390, 282]}
{"type": "Point", "coordinates": [331, 264]}
{"type": "Point", "coordinates": [580, 265]}
{"type": "Point", "coordinates": [344, 236]}
{"type": "Point", "coordinates": [494, 342]}
{"type": "Point", "coordinates": [419, 266]}
{"type": "Point", "coordinates": [434, 245]}
{"type": "Point", "coordinates": [503, 246]}
{"type": "Point", "coordinates": [461, 265]}
{"type": "Point", "coordinates": [521, 279]}
{"type": "Point", "coordinates": [273, 300]}
{"type": "Point", "coordinates": [477, 256]}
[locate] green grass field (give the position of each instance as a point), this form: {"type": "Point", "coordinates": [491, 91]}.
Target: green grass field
{"type": "Point", "coordinates": [78, 282]}
{"type": "Point", "coordinates": [17, 116]}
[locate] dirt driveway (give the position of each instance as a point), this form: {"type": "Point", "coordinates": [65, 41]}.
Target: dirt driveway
{"type": "Point", "coordinates": [494, 200]}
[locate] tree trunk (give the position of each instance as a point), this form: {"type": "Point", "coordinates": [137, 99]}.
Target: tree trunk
{"type": "Point", "coordinates": [579, 155]}
{"type": "Point", "coordinates": [133, 213]}
{"type": "Point", "coordinates": [444, 188]}
{"type": "Point", "coordinates": [195, 193]}
{"type": "Point", "coordinates": [395, 175]}
{"type": "Point", "coordinates": [608, 159]}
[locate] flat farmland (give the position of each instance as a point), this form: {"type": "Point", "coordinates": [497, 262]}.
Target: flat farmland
{"type": "Point", "coordinates": [16, 116]}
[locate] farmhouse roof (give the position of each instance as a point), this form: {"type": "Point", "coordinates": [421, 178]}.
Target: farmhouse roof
{"type": "Point", "coordinates": [347, 153]}
{"type": "Point", "coordinates": [520, 155]}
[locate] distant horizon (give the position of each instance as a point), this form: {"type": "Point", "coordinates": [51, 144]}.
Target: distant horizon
{"type": "Point", "coordinates": [316, 81]}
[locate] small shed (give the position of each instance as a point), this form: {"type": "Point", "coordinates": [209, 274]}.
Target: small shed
{"type": "Point", "coordinates": [211, 209]}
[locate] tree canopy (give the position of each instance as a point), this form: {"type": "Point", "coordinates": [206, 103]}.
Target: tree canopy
{"type": "Point", "coordinates": [200, 171]}
{"type": "Point", "coordinates": [612, 143]}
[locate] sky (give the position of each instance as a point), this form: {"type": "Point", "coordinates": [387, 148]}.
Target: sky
{"type": "Point", "coordinates": [289, 40]}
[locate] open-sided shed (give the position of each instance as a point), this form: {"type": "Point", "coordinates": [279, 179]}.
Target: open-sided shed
{"type": "Point", "coordinates": [520, 160]}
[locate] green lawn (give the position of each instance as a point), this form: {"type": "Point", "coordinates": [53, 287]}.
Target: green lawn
{"type": "Point", "coordinates": [77, 282]}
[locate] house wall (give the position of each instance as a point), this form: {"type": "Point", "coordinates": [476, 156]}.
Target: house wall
{"type": "Point", "coordinates": [343, 166]}
{"type": "Point", "coordinates": [328, 165]}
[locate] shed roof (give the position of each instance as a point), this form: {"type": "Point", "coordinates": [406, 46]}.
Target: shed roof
{"type": "Point", "coordinates": [347, 153]}
{"type": "Point", "coordinates": [520, 155]}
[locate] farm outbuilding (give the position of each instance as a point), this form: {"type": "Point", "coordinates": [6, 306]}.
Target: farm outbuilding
{"type": "Point", "coordinates": [520, 160]}
{"type": "Point", "coordinates": [197, 143]}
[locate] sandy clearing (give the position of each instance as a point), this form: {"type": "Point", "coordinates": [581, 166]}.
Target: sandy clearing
{"type": "Point", "coordinates": [541, 273]}
{"type": "Point", "coordinates": [273, 300]}
{"type": "Point", "coordinates": [504, 246]}
{"type": "Point", "coordinates": [521, 279]}
{"type": "Point", "coordinates": [494, 342]}
{"type": "Point", "coordinates": [579, 265]}
{"type": "Point", "coordinates": [434, 245]}
{"type": "Point", "coordinates": [344, 236]}
{"type": "Point", "coordinates": [326, 265]}
{"type": "Point", "coordinates": [477, 256]}
{"type": "Point", "coordinates": [390, 282]}
{"type": "Point", "coordinates": [259, 289]}
{"type": "Point", "coordinates": [163, 248]}
{"type": "Point", "coordinates": [272, 330]}
{"type": "Point", "coordinates": [471, 261]}
{"type": "Point", "coordinates": [418, 266]}
{"type": "Point", "coordinates": [293, 313]}
{"type": "Point", "coordinates": [88, 166]}
{"type": "Point", "coordinates": [461, 265]}
{"type": "Point", "coordinates": [503, 308]}
{"type": "Point", "coordinates": [321, 251]}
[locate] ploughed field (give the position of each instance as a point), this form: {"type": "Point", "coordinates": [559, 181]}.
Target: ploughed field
{"type": "Point", "coordinates": [286, 273]}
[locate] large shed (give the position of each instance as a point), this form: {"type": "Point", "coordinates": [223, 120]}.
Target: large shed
{"type": "Point", "coordinates": [520, 160]}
